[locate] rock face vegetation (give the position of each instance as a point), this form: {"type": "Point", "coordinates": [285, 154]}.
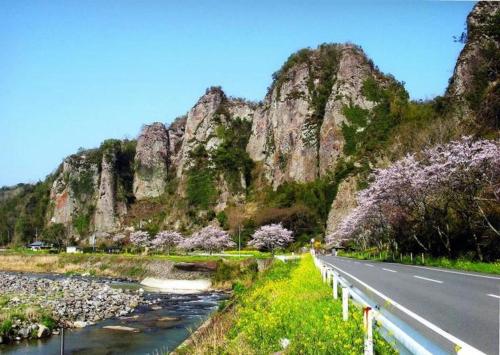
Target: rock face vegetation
{"type": "Point", "coordinates": [329, 119]}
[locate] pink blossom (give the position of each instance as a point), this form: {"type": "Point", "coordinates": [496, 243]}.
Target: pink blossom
{"type": "Point", "coordinates": [140, 239]}
{"type": "Point", "coordinates": [209, 238]}
{"type": "Point", "coordinates": [415, 195]}
{"type": "Point", "coordinates": [166, 240]}
{"type": "Point", "coordinates": [271, 237]}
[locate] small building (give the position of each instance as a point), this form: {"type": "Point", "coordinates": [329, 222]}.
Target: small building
{"type": "Point", "coordinates": [39, 245]}
{"type": "Point", "coordinates": [73, 250]}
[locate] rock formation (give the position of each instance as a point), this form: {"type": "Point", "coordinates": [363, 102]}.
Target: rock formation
{"type": "Point", "coordinates": [105, 215]}
{"type": "Point", "coordinates": [297, 131]}
{"type": "Point", "coordinates": [151, 161]}
{"type": "Point", "coordinates": [344, 202]}
{"type": "Point", "coordinates": [474, 89]}
{"type": "Point", "coordinates": [73, 190]}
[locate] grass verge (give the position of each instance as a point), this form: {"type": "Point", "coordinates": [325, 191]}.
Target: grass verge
{"type": "Point", "coordinates": [457, 264]}
{"type": "Point", "coordinates": [288, 303]}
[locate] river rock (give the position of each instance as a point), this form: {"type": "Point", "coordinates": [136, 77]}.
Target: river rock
{"type": "Point", "coordinates": [24, 333]}
{"type": "Point", "coordinates": [43, 331]}
{"type": "Point", "coordinates": [80, 324]}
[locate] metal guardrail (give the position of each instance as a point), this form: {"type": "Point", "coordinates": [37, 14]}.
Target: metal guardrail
{"type": "Point", "coordinates": [388, 327]}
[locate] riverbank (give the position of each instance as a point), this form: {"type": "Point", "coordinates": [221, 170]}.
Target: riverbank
{"type": "Point", "coordinates": [34, 307]}
{"type": "Point", "coordinates": [136, 267]}
{"type": "Point", "coordinates": [287, 309]}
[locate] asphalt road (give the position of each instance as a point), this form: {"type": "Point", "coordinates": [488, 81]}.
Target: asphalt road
{"type": "Point", "coordinates": [446, 306]}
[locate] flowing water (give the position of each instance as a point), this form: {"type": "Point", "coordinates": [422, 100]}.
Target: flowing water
{"type": "Point", "coordinates": [160, 330]}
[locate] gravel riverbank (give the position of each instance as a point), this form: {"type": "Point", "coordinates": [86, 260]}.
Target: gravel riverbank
{"type": "Point", "coordinates": [34, 307]}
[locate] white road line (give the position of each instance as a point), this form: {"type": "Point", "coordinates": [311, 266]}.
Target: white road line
{"type": "Point", "coordinates": [492, 295]}
{"type": "Point", "coordinates": [453, 272]}
{"type": "Point", "coordinates": [369, 265]}
{"type": "Point", "coordinates": [467, 349]}
{"type": "Point", "coordinates": [425, 278]}
{"type": "Point", "coordinates": [388, 270]}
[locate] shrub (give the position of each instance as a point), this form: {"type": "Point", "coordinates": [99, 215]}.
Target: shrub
{"type": "Point", "coordinates": [200, 190]}
{"type": "Point", "coordinates": [5, 327]}
{"type": "Point", "coordinates": [230, 156]}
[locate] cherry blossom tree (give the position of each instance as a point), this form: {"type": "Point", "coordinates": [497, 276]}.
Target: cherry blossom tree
{"type": "Point", "coordinates": [188, 244]}
{"type": "Point", "coordinates": [441, 201]}
{"type": "Point", "coordinates": [166, 240]}
{"type": "Point", "coordinates": [210, 238]}
{"type": "Point", "coordinates": [141, 239]}
{"type": "Point", "coordinates": [271, 237]}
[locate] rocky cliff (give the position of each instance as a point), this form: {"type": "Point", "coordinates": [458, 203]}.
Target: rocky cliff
{"type": "Point", "coordinates": [474, 88]}
{"type": "Point", "coordinates": [152, 160]}
{"type": "Point", "coordinates": [297, 132]}
{"type": "Point", "coordinates": [73, 193]}
{"type": "Point", "coordinates": [105, 211]}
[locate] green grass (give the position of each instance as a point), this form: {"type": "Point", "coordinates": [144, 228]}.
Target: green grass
{"type": "Point", "coordinates": [81, 257]}
{"type": "Point", "coordinates": [457, 264]}
{"type": "Point", "coordinates": [10, 314]}
{"type": "Point", "coordinates": [23, 251]}
{"type": "Point", "coordinates": [291, 301]}
{"type": "Point", "coordinates": [253, 253]}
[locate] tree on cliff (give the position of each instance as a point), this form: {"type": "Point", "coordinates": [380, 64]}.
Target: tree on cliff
{"type": "Point", "coordinates": [271, 237]}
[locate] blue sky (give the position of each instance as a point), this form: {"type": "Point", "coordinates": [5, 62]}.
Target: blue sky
{"type": "Point", "coordinates": [73, 72]}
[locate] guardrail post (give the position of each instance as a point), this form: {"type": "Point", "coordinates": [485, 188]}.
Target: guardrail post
{"type": "Point", "coordinates": [335, 286]}
{"type": "Point", "coordinates": [368, 325]}
{"type": "Point", "coordinates": [411, 257]}
{"type": "Point", "coordinates": [423, 260]}
{"type": "Point", "coordinates": [345, 303]}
